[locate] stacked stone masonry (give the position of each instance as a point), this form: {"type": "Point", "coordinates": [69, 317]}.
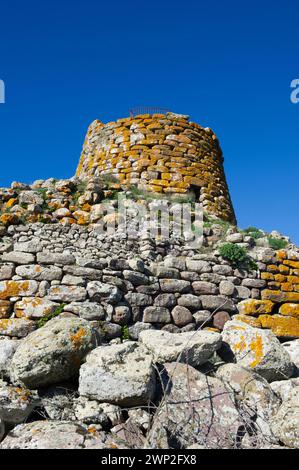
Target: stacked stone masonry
{"type": "Point", "coordinates": [46, 266]}
{"type": "Point", "coordinates": [160, 153]}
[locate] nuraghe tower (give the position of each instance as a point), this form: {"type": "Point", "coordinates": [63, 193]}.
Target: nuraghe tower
{"type": "Point", "coordinates": [164, 153]}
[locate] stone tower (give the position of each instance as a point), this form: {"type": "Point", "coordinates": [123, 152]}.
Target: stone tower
{"type": "Point", "coordinates": [164, 153]}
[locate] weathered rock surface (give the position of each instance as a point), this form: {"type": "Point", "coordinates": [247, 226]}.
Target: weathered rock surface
{"type": "Point", "coordinates": [16, 403]}
{"type": "Point", "coordinates": [194, 348]}
{"type": "Point", "coordinates": [121, 374]}
{"type": "Point", "coordinates": [258, 349]}
{"type": "Point", "coordinates": [52, 353]}
{"type": "Point", "coordinates": [196, 409]}
{"type": "Point", "coordinates": [285, 424]}
{"type": "Point", "coordinates": [7, 349]}
{"type": "Point", "coordinates": [46, 435]}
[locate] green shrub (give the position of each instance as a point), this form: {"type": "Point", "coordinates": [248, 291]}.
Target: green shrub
{"type": "Point", "coordinates": [125, 333]}
{"type": "Point", "coordinates": [277, 243]}
{"type": "Point", "coordinates": [42, 321]}
{"type": "Point", "coordinates": [253, 232]}
{"type": "Point", "coordinates": [236, 255]}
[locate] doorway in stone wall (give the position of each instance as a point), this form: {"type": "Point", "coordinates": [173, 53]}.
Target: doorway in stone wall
{"type": "Point", "coordinates": [195, 191]}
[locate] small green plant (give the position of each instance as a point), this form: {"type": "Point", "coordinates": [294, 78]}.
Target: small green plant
{"type": "Point", "coordinates": [277, 243]}
{"type": "Point", "coordinates": [125, 333]}
{"type": "Point", "coordinates": [237, 256]}
{"type": "Point", "coordinates": [253, 232]}
{"type": "Point", "coordinates": [42, 192]}
{"type": "Point", "coordinates": [42, 321]}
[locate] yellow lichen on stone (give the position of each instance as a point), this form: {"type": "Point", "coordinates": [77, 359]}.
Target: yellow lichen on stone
{"type": "Point", "coordinates": [256, 346]}
{"type": "Point", "coordinates": [252, 321]}
{"type": "Point", "coordinates": [290, 310]}
{"type": "Point", "coordinates": [281, 326]}
{"type": "Point", "coordinates": [255, 307]}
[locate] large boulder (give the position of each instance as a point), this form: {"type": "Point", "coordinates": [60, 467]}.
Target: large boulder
{"type": "Point", "coordinates": [285, 424]}
{"type": "Point", "coordinates": [7, 349]}
{"type": "Point", "coordinates": [48, 435]}
{"type": "Point", "coordinates": [121, 374]}
{"type": "Point", "coordinates": [16, 403]}
{"type": "Point", "coordinates": [195, 409]}
{"type": "Point", "coordinates": [292, 347]}
{"type": "Point", "coordinates": [257, 399]}
{"type": "Point", "coordinates": [194, 348]}
{"type": "Point", "coordinates": [258, 350]}
{"type": "Point", "coordinates": [52, 353]}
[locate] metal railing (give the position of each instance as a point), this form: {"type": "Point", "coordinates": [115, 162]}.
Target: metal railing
{"type": "Point", "coordinates": [148, 110]}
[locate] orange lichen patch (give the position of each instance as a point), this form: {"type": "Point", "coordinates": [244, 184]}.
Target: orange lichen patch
{"type": "Point", "coordinates": [256, 346]}
{"type": "Point", "coordinates": [13, 289]}
{"type": "Point", "coordinates": [9, 219]}
{"type": "Point", "coordinates": [78, 337]}
{"type": "Point", "coordinates": [281, 326]}
{"type": "Point", "coordinates": [272, 268]}
{"type": "Point", "coordinates": [292, 264]}
{"type": "Point", "coordinates": [11, 202]}
{"type": "Point", "coordinates": [283, 269]}
{"type": "Point", "coordinates": [281, 254]}
{"type": "Point", "coordinates": [279, 296]}
{"type": "Point", "coordinates": [255, 307]}
{"type": "Point", "coordinates": [280, 278]}
{"type": "Point", "coordinates": [293, 279]}
{"type": "Point", "coordinates": [290, 310]}
{"type": "Point", "coordinates": [5, 308]}
{"type": "Point", "coordinates": [92, 430]}
{"type": "Point", "coordinates": [287, 287]}
{"type": "Point", "coordinates": [267, 276]}
{"type": "Point", "coordinates": [248, 320]}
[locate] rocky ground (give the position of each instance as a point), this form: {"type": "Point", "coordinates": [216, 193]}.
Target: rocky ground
{"type": "Point", "coordinates": [113, 343]}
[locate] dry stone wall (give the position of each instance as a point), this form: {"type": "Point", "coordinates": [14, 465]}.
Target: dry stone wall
{"type": "Point", "coordinates": [160, 153]}
{"type": "Point", "coordinates": [47, 267]}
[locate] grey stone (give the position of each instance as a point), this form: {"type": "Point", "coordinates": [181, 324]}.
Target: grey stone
{"type": "Point", "coordinates": [138, 299]}
{"type": "Point", "coordinates": [121, 374]}
{"type": "Point", "coordinates": [6, 272]}
{"type": "Point", "coordinates": [181, 316]}
{"type": "Point", "coordinates": [156, 314]}
{"type": "Point", "coordinates": [192, 412]}
{"type": "Point", "coordinates": [62, 259]}
{"type": "Point", "coordinates": [199, 266]}
{"type": "Point", "coordinates": [175, 285]}
{"type": "Point", "coordinates": [87, 310]}
{"type": "Point", "coordinates": [285, 424]}
{"type": "Point", "coordinates": [203, 287]}
{"type": "Point", "coordinates": [193, 348]}
{"type": "Point", "coordinates": [259, 350]}
{"type": "Point", "coordinates": [122, 314]}
{"type": "Point", "coordinates": [165, 300]}
{"type": "Point", "coordinates": [135, 277]}
{"type": "Point", "coordinates": [190, 300]}
{"type": "Point", "coordinates": [226, 288]}
{"type": "Point", "coordinates": [18, 327]}
{"type": "Point", "coordinates": [67, 293]}
{"type": "Point", "coordinates": [47, 435]}
{"type": "Point", "coordinates": [18, 257]}
{"type": "Point", "coordinates": [213, 302]}
{"type": "Point", "coordinates": [135, 330]}
{"type": "Point", "coordinates": [52, 353]}
{"type": "Point", "coordinates": [223, 269]}
{"type": "Point", "coordinates": [39, 273]}
{"type": "Point", "coordinates": [16, 403]}
{"type": "Point", "coordinates": [7, 349]}
{"type": "Point", "coordinates": [98, 291]}
{"type": "Point", "coordinates": [202, 316]}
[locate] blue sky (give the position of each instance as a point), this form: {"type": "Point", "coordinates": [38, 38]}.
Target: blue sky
{"type": "Point", "coordinates": [228, 64]}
